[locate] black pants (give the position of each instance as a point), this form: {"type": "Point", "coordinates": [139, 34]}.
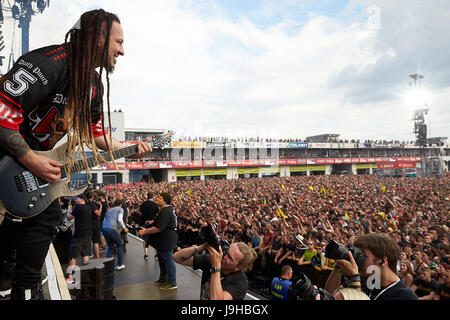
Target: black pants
{"type": "Point", "coordinates": [31, 239]}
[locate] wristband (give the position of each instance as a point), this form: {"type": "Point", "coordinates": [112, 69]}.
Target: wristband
{"type": "Point", "coordinates": [196, 250]}
{"type": "Point", "coordinates": [353, 281]}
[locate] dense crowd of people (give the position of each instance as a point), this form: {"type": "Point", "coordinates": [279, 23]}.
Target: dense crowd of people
{"type": "Point", "coordinates": [290, 220]}
{"type": "Point", "coordinates": [326, 138]}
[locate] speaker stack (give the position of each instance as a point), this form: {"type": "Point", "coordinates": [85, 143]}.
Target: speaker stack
{"type": "Point", "coordinates": [97, 280]}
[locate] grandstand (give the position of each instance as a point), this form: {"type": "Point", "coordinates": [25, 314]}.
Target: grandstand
{"type": "Point", "coordinates": [200, 158]}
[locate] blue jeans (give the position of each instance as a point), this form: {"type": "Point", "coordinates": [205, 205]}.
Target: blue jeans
{"type": "Point", "coordinates": [167, 268]}
{"type": "Point", "coordinates": [112, 237]}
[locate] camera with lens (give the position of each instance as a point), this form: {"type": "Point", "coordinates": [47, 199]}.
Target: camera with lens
{"type": "Point", "coordinates": [303, 288]}
{"type": "Point", "coordinates": [209, 235]}
{"type": "Point", "coordinates": [334, 251]}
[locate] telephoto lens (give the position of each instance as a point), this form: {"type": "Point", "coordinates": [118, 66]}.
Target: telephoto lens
{"type": "Point", "coordinates": [208, 235]}
{"type": "Point", "coordinates": [303, 288]}
{"type": "Point", "coordinates": [334, 251]}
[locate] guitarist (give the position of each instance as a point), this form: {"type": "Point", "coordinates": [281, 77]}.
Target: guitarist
{"type": "Point", "coordinates": [48, 92]}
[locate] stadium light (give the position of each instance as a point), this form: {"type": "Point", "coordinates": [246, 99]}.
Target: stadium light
{"type": "Point", "coordinates": [418, 97]}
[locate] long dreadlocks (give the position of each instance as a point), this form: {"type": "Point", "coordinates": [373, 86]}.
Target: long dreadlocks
{"type": "Point", "coordinates": [83, 56]}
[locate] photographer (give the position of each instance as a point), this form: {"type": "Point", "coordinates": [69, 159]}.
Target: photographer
{"type": "Point", "coordinates": [379, 252]}
{"type": "Point", "coordinates": [223, 276]}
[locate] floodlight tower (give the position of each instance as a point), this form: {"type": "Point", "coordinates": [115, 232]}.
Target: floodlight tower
{"type": "Point", "coordinates": [22, 10]}
{"type": "Point", "coordinates": [420, 128]}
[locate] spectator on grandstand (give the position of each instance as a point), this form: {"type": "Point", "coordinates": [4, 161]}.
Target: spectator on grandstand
{"type": "Point", "coordinates": [424, 285]}
{"type": "Point", "coordinates": [442, 292]}
{"type": "Point", "coordinates": [308, 254]}
{"type": "Point", "coordinates": [406, 274]}
{"type": "Point", "coordinates": [418, 262]}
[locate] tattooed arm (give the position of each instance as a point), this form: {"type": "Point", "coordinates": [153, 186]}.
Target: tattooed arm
{"type": "Point", "coordinates": [185, 256]}
{"type": "Point", "coordinates": [44, 167]}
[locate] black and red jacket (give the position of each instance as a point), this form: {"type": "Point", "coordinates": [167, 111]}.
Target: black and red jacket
{"type": "Point", "coordinates": [33, 98]}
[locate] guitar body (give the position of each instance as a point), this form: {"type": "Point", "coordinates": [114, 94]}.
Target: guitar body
{"type": "Point", "coordinates": [22, 194]}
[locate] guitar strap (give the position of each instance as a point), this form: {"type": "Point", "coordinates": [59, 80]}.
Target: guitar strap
{"type": "Point", "coordinates": [11, 218]}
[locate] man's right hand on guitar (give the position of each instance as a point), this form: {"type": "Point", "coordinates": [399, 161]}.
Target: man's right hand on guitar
{"type": "Point", "coordinates": [42, 166]}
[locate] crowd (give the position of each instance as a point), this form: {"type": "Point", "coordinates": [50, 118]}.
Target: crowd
{"type": "Point", "coordinates": [296, 140]}
{"type": "Point", "coordinates": [289, 221]}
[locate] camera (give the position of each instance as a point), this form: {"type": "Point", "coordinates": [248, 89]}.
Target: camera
{"type": "Point", "coordinates": [209, 235]}
{"type": "Point", "coordinates": [303, 288]}
{"type": "Point", "coordinates": [334, 251]}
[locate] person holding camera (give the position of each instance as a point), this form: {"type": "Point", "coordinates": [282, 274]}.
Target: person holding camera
{"type": "Point", "coordinates": [163, 236]}
{"type": "Point", "coordinates": [223, 276]}
{"type": "Point", "coordinates": [377, 256]}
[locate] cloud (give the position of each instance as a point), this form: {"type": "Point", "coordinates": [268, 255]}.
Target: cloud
{"type": "Point", "coordinates": [200, 67]}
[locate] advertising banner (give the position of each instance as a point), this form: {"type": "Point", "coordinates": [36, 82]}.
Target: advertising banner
{"type": "Point", "coordinates": [216, 172]}
{"type": "Point", "coordinates": [298, 145]}
{"type": "Point", "coordinates": [312, 145]}
{"type": "Point", "coordinates": [264, 170]}
{"type": "Point", "coordinates": [187, 144]}
{"type": "Point", "coordinates": [248, 170]}
{"type": "Point", "coordinates": [391, 165]}
{"type": "Point", "coordinates": [188, 173]}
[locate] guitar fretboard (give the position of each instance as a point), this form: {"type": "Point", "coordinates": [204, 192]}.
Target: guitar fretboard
{"type": "Point", "coordinates": [80, 165]}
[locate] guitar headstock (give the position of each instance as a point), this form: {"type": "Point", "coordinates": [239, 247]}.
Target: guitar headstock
{"type": "Point", "coordinates": [160, 141]}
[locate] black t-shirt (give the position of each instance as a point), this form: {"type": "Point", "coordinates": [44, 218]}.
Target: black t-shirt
{"type": "Point", "coordinates": [102, 214]}
{"type": "Point", "coordinates": [276, 245]}
{"type": "Point", "coordinates": [424, 288]}
{"type": "Point", "coordinates": [236, 283]}
{"type": "Point", "coordinates": [149, 209]}
{"type": "Point", "coordinates": [443, 290]}
{"type": "Point", "coordinates": [33, 98]}
{"type": "Point", "coordinates": [83, 225]}
{"type": "Point", "coordinates": [94, 207]}
{"type": "Point", "coordinates": [396, 292]}
{"type": "Point", "coordinates": [167, 239]}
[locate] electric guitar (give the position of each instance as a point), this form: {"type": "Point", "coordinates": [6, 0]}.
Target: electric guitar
{"type": "Point", "coordinates": [24, 195]}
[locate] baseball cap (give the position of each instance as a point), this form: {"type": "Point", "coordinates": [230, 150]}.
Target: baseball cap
{"type": "Point", "coordinates": [82, 196]}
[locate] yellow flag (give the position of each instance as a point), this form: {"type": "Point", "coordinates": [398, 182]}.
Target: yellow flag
{"type": "Point", "coordinates": [311, 188]}
{"type": "Point", "coordinates": [188, 192]}
{"type": "Point", "coordinates": [347, 216]}
{"type": "Point", "coordinates": [383, 188]}
{"type": "Point", "coordinates": [323, 190]}
{"type": "Point", "coordinates": [280, 213]}
{"type": "Point", "coordinates": [282, 186]}
{"type": "Point", "coordinates": [383, 215]}
{"type": "Point", "coordinates": [265, 203]}
{"type": "Point", "coordinates": [181, 195]}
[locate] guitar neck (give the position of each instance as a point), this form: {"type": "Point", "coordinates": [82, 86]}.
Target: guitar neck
{"type": "Point", "coordinates": [80, 165]}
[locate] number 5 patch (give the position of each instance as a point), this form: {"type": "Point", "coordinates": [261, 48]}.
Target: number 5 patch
{"type": "Point", "coordinates": [21, 78]}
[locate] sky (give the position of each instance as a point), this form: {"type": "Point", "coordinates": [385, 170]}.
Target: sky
{"type": "Point", "coordinates": [273, 68]}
